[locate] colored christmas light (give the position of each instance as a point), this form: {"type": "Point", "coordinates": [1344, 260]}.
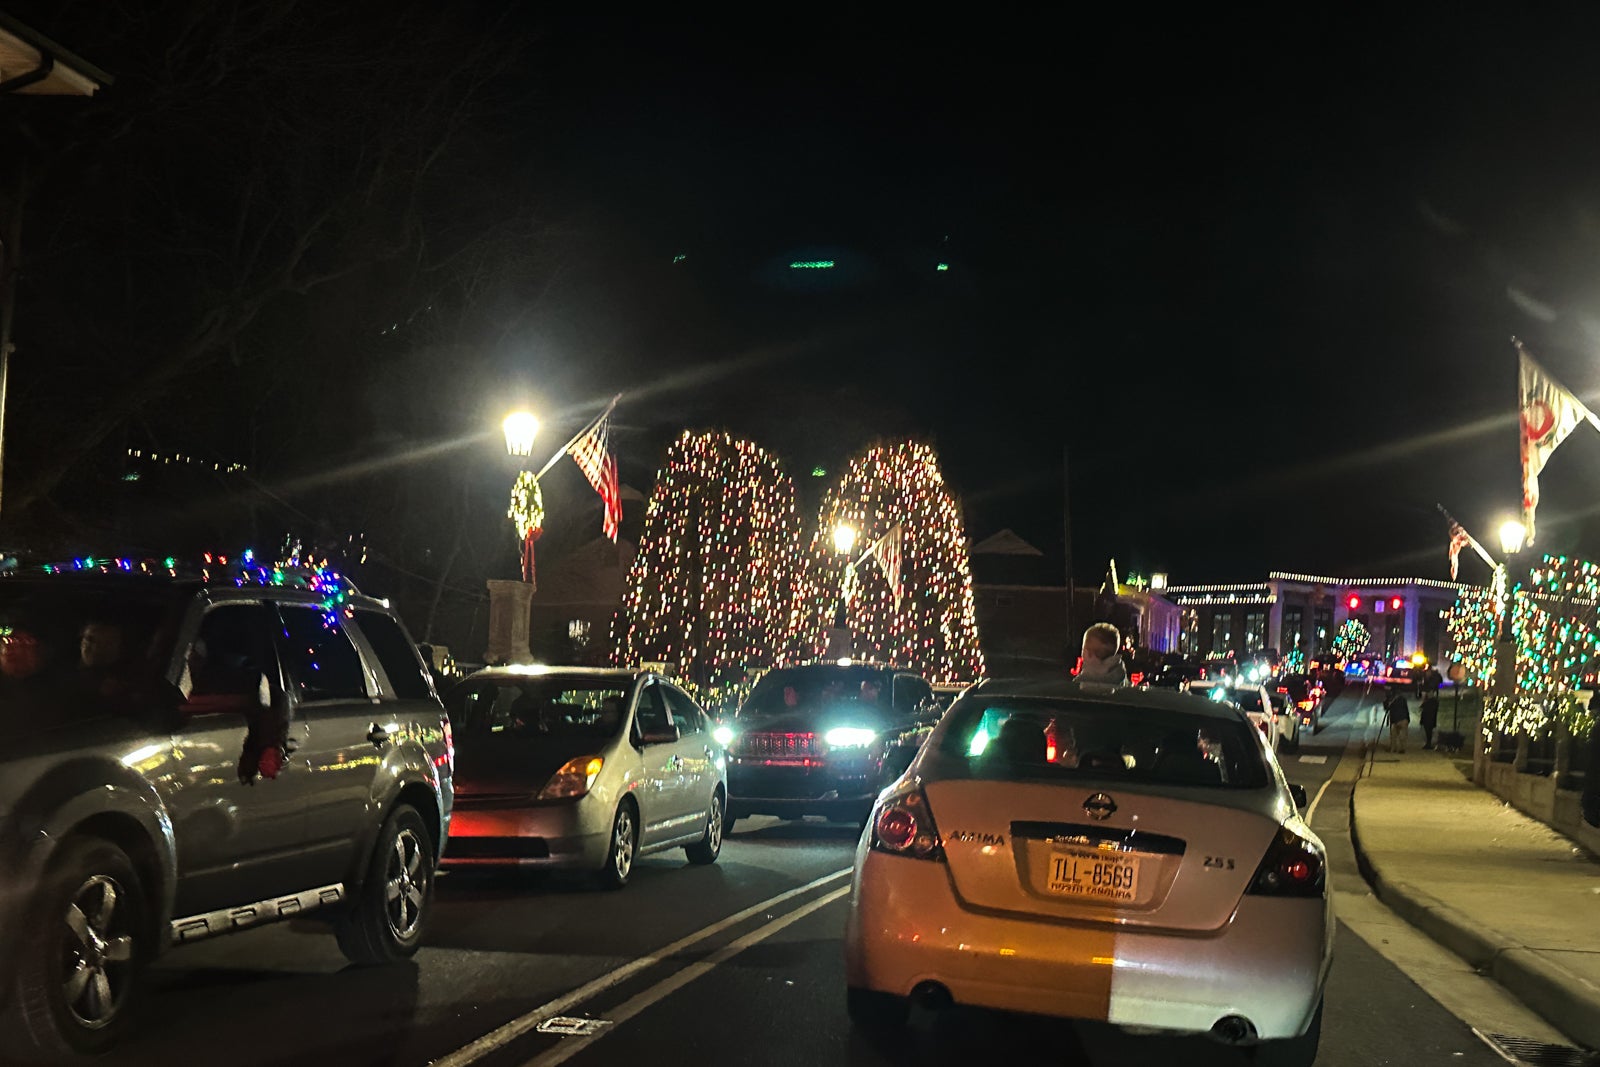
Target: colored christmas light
{"type": "Point", "coordinates": [1351, 640]}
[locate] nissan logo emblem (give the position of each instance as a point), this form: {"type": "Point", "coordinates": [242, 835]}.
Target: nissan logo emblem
{"type": "Point", "coordinates": [1100, 806]}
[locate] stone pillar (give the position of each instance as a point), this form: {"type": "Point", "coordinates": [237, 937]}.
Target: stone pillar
{"type": "Point", "coordinates": [510, 605]}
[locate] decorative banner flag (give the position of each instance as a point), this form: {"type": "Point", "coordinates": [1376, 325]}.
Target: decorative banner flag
{"type": "Point", "coordinates": [886, 550]}
{"type": "Point", "coordinates": [1459, 539]}
{"type": "Point", "coordinates": [1549, 414]}
{"type": "Point", "coordinates": [591, 452]}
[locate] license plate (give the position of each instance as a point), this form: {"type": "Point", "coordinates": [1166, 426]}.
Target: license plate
{"type": "Point", "coordinates": [1094, 875]}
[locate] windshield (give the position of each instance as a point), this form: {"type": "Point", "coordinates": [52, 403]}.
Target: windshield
{"type": "Point", "coordinates": [539, 708]}
{"type": "Point", "coordinates": [1248, 699]}
{"type": "Point", "coordinates": [812, 689]}
{"type": "Point", "coordinates": [70, 646]}
{"type": "Point", "coordinates": [1031, 738]}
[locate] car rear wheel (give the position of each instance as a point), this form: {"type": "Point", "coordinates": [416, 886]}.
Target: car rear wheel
{"type": "Point", "coordinates": [872, 1010]}
{"type": "Point", "coordinates": [618, 867]}
{"type": "Point", "coordinates": [707, 848]}
{"type": "Point", "coordinates": [1291, 1052]}
{"type": "Point", "coordinates": [81, 958]}
{"type": "Point", "coordinates": [385, 920]}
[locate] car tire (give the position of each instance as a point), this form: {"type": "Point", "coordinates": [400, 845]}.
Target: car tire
{"type": "Point", "coordinates": [79, 967]}
{"type": "Point", "coordinates": [384, 921]}
{"type": "Point", "coordinates": [709, 847]}
{"type": "Point", "coordinates": [871, 1010]}
{"type": "Point", "coordinates": [623, 848]}
{"type": "Point", "coordinates": [1293, 1051]}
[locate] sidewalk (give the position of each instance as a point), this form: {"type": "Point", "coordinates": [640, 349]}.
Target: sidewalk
{"type": "Point", "coordinates": [1513, 898]}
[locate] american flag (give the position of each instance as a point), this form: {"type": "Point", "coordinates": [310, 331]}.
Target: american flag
{"type": "Point", "coordinates": [887, 551]}
{"type": "Point", "coordinates": [592, 453]}
{"type": "Point", "coordinates": [1459, 539]}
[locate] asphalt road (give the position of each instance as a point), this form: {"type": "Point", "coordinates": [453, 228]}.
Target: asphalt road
{"type": "Point", "coordinates": [751, 974]}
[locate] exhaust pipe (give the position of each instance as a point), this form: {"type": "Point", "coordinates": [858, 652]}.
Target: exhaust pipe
{"type": "Point", "coordinates": [1233, 1030]}
{"type": "Point", "coordinates": [932, 995]}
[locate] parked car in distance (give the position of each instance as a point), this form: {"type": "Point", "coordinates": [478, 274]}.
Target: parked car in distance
{"type": "Point", "coordinates": [824, 739]}
{"type": "Point", "coordinates": [1281, 729]}
{"type": "Point", "coordinates": [1044, 832]}
{"type": "Point", "coordinates": [188, 757]}
{"type": "Point", "coordinates": [582, 768]}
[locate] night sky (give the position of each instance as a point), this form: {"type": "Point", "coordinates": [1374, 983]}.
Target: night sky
{"type": "Point", "coordinates": [1257, 279]}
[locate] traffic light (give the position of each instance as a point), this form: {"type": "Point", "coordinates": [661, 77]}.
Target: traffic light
{"type": "Point", "coordinates": [1353, 603]}
{"type": "Point", "coordinates": [1394, 604]}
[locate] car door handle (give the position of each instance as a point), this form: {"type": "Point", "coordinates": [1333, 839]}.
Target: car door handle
{"type": "Point", "coordinates": [377, 735]}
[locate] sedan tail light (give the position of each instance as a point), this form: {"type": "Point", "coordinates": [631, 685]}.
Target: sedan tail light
{"type": "Point", "coordinates": [1292, 867]}
{"type": "Point", "coordinates": [902, 824]}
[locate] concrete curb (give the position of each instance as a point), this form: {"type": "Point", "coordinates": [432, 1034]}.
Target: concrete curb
{"type": "Point", "coordinates": [1568, 1001]}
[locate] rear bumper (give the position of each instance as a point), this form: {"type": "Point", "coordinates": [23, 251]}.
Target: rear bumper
{"type": "Point", "coordinates": [1267, 964]}
{"type": "Point", "coordinates": [549, 835]}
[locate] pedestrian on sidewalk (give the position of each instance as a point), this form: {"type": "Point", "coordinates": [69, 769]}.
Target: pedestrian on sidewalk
{"type": "Point", "coordinates": [1429, 691]}
{"type": "Point", "coordinates": [1398, 710]}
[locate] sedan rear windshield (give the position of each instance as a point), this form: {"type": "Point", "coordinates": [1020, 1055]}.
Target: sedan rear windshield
{"type": "Point", "coordinates": [1020, 738]}
{"type": "Point", "coordinates": [812, 689]}
{"type": "Point", "coordinates": [539, 708]}
{"type": "Point", "coordinates": [1248, 699]}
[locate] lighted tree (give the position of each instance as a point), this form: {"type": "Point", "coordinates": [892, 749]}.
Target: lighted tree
{"type": "Point", "coordinates": [1351, 640]}
{"type": "Point", "coordinates": [712, 590]}
{"type": "Point", "coordinates": [931, 627]}
{"type": "Point", "coordinates": [1472, 623]}
{"type": "Point", "coordinates": [1552, 620]}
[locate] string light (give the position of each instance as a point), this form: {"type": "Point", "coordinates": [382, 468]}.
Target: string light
{"type": "Point", "coordinates": [1351, 640]}
{"type": "Point", "coordinates": [713, 588]}
{"type": "Point", "coordinates": [933, 629]}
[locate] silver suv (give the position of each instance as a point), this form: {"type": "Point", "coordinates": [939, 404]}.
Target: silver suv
{"type": "Point", "coordinates": [186, 758]}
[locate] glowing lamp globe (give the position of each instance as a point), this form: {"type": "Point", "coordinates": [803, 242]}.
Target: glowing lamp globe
{"type": "Point", "coordinates": [844, 538]}
{"type": "Point", "coordinates": [520, 428]}
{"type": "Point", "coordinates": [1512, 536]}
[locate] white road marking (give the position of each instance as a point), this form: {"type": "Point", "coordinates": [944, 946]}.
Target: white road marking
{"type": "Point", "coordinates": [1312, 810]}
{"type": "Point", "coordinates": [1313, 759]}
{"type": "Point", "coordinates": [497, 1039]}
{"type": "Point", "coordinates": [667, 986]}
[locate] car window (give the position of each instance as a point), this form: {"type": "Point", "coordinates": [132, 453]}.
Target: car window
{"type": "Point", "coordinates": [1030, 738]}
{"type": "Point", "coordinates": [1248, 699]}
{"type": "Point", "coordinates": [685, 715]}
{"type": "Point", "coordinates": [229, 664]}
{"type": "Point", "coordinates": [808, 690]}
{"type": "Point", "coordinates": [396, 654]}
{"type": "Point", "coordinates": [322, 663]}
{"type": "Point", "coordinates": [652, 715]}
{"type": "Point", "coordinates": [538, 707]}
{"type": "Point", "coordinates": [912, 694]}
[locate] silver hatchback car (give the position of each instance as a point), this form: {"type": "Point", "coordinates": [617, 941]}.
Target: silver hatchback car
{"type": "Point", "coordinates": [1127, 855]}
{"type": "Point", "coordinates": [584, 769]}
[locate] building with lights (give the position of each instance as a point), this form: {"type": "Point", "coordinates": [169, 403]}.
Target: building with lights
{"type": "Point", "coordinates": [1288, 611]}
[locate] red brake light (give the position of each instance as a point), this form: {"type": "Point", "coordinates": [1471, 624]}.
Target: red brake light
{"type": "Point", "coordinates": [1136, 678]}
{"type": "Point", "coordinates": [1292, 867]}
{"type": "Point", "coordinates": [1283, 689]}
{"type": "Point", "coordinates": [903, 825]}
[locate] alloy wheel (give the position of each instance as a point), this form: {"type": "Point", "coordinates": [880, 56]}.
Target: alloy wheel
{"type": "Point", "coordinates": [714, 830]}
{"type": "Point", "coordinates": [622, 844]}
{"type": "Point", "coordinates": [97, 953]}
{"type": "Point", "coordinates": [406, 885]}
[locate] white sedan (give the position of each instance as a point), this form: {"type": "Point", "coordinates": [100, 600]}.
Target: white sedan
{"type": "Point", "coordinates": [1132, 856]}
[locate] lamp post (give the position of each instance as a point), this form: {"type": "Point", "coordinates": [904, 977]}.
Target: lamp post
{"type": "Point", "coordinates": [511, 602]}
{"type": "Point", "coordinates": [840, 644]}
{"type": "Point", "coordinates": [1513, 535]}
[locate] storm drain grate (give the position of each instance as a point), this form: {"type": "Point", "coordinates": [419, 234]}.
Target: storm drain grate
{"type": "Point", "coordinates": [1541, 1053]}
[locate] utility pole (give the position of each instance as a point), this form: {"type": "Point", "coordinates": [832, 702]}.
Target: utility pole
{"type": "Point", "coordinates": [1066, 530]}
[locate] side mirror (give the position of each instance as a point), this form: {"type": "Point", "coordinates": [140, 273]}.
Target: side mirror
{"type": "Point", "coordinates": [1299, 794]}
{"type": "Point", "coordinates": [663, 737]}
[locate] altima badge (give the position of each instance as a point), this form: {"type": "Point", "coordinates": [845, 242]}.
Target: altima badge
{"type": "Point", "coordinates": [1100, 806]}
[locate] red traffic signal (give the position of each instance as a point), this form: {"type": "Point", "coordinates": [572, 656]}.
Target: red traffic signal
{"type": "Point", "coordinates": [1396, 602]}
{"type": "Point", "coordinates": [1353, 602]}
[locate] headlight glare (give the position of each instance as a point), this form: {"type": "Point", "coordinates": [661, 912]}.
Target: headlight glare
{"type": "Point", "coordinates": [849, 737]}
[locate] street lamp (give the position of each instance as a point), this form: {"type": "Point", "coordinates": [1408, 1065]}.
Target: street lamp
{"type": "Point", "coordinates": [1513, 535]}
{"type": "Point", "coordinates": [520, 427]}
{"type": "Point", "coordinates": [840, 644]}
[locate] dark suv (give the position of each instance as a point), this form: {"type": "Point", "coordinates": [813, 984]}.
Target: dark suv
{"type": "Point", "coordinates": [825, 739]}
{"type": "Point", "coordinates": [186, 758]}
